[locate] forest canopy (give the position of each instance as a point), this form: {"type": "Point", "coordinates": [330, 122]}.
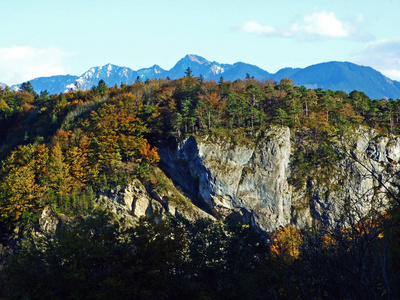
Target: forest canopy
{"type": "Point", "coordinates": [61, 150]}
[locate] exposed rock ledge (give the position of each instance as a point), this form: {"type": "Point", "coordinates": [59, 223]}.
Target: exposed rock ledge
{"type": "Point", "coordinates": [131, 202]}
{"type": "Point", "coordinates": [252, 181]}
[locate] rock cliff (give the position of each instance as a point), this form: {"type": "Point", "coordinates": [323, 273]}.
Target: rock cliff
{"type": "Point", "coordinates": [134, 201]}
{"type": "Point", "coordinates": [252, 181]}
{"type": "Point", "coordinates": [131, 202]}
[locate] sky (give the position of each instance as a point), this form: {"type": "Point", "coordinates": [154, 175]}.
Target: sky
{"type": "Point", "coordinates": [48, 37]}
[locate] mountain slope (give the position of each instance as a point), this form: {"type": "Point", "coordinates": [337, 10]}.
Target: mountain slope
{"type": "Point", "coordinates": [153, 72]}
{"type": "Point", "coordinates": [330, 75]}
{"type": "Point", "coordinates": [111, 74]}
{"type": "Point", "coordinates": [240, 70]}
{"type": "Point", "coordinates": [347, 77]}
{"type": "Point", "coordinates": [285, 73]}
{"type": "Point", "coordinates": [198, 65]}
{"type": "Point", "coordinates": [53, 84]}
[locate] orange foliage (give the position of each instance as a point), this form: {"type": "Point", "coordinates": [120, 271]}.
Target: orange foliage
{"type": "Point", "coordinates": [149, 154]}
{"type": "Point", "coordinates": [26, 107]}
{"type": "Point", "coordinates": [77, 102]}
{"type": "Point", "coordinates": [347, 111]}
{"type": "Point", "coordinates": [62, 137]}
{"type": "Point", "coordinates": [286, 242]}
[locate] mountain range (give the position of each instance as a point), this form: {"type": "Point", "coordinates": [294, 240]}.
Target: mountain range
{"type": "Point", "coordinates": [333, 75]}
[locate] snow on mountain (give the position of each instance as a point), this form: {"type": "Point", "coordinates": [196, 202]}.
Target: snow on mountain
{"type": "Point", "coordinates": [153, 72]}
{"type": "Point", "coordinates": [2, 85]}
{"type": "Point", "coordinates": [199, 66]}
{"type": "Point", "coordinates": [53, 84]}
{"type": "Point", "coordinates": [197, 59]}
{"type": "Point", "coordinates": [332, 75]}
{"type": "Point", "coordinates": [216, 69]}
{"type": "Point", "coordinates": [111, 74]}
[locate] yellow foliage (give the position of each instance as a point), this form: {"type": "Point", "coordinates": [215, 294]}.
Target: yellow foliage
{"type": "Point", "coordinates": [150, 154]}
{"type": "Point", "coordinates": [3, 105]}
{"type": "Point", "coordinates": [286, 242]}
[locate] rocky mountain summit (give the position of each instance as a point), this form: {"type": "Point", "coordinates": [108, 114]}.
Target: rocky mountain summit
{"type": "Point", "coordinates": [334, 75]}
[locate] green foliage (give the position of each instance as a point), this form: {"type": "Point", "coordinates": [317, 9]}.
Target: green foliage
{"type": "Point", "coordinates": [27, 87]}
{"type": "Point", "coordinates": [59, 150]}
{"type": "Point", "coordinates": [314, 159]}
{"type": "Point", "coordinates": [96, 258]}
{"type": "Point", "coordinates": [108, 134]}
{"type": "Point", "coordinates": [93, 258]}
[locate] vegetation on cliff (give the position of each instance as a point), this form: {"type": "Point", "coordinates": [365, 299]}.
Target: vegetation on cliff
{"type": "Point", "coordinates": [60, 150]}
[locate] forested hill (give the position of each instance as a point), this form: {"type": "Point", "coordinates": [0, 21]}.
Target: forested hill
{"type": "Point", "coordinates": [91, 140]}
{"type": "Point", "coordinates": [71, 161]}
{"type": "Point", "coordinates": [330, 75]}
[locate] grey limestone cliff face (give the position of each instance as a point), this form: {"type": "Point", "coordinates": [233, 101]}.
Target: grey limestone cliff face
{"type": "Point", "coordinates": [366, 179]}
{"type": "Point", "coordinates": [130, 201]}
{"type": "Point", "coordinates": [251, 182]}
{"type": "Point", "coordinates": [133, 201]}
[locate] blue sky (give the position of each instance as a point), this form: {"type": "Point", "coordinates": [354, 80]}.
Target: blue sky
{"type": "Point", "coordinates": [48, 37]}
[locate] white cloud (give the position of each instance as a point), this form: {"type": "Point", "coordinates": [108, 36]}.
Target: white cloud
{"type": "Point", "coordinates": [321, 24]}
{"type": "Point", "coordinates": [382, 55]}
{"type": "Point", "coordinates": [314, 26]}
{"type": "Point", "coordinates": [257, 28]}
{"type": "Point", "coordinates": [19, 64]}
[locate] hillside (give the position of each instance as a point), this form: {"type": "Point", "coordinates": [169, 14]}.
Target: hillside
{"type": "Point", "coordinates": [343, 76]}
{"type": "Point", "coordinates": [178, 188]}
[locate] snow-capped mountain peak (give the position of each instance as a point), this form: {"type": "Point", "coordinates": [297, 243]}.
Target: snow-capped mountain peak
{"type": "Point", "coordinates": [157, 69]}
{"type": "Point", "coordinates": [216, 69]}
{"type": "Point", "coordinates": [198, 59]}
{"type": "Point", "coordinates": [332, 75]}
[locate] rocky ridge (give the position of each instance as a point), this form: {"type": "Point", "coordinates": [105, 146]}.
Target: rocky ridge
{"type": "Point", "coordinates": [333, 75]}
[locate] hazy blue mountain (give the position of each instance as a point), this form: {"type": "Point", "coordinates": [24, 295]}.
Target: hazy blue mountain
{"type": "Point", "coordinates": [199, 66]}
{"type": "Point", "coordinates": [285, 73]}
{"type": "Point", "coordinates": [240, 70]}
{"type": "Point", "coordinates": [214, 70]}
{"type": "Point", "coordinates": [111, 74]}
{"type": "Point", "coordinates": [153, 72]}
{"type": "Point", "coordinates": [53, 84]}
{"type": "Point", "coordinates": [331, 75]}
{"type": "Point", "coordinates": [396, 84]}
{"type": "Point", "coordinates": [347, 77]}
{"type": "Point", "coordinates": [3, 85]}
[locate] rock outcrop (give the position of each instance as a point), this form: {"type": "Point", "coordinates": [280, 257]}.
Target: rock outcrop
{"type": "Point", "coordinates": [366, 178]}
{"type": "Point", "coordinates": [133, 201]}
{"type": "Point", "coordinates": [251, 181]}
{"type": "Point", "coordinates": [226, 179]}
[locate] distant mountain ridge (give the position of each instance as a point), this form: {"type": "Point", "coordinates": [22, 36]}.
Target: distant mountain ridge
{"type": "Point", "coordinates": [333, 75]}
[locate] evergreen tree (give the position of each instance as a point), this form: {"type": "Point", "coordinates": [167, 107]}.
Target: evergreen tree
{"type": "Point", "coordinates": [27, 87]}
